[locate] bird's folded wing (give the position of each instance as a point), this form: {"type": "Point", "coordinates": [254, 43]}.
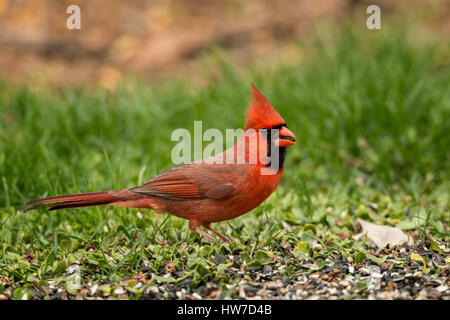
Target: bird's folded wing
{"type": "Point", "coordinates": [189, 182]}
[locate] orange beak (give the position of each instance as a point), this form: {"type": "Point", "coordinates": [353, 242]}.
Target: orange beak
{"type": "Point", "coordinates": [286, 137]}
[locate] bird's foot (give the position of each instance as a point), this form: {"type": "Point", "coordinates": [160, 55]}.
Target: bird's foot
{"type": "Point", "coordinates": [195, 226]}
{"type": "Point", "coordinates": [203, 233]}
{"type": "Point", "coordinates": [221, 236]}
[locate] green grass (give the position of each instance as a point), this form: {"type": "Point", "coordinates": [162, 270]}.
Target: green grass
{"type": "Point", "coordinates": [370, 111]}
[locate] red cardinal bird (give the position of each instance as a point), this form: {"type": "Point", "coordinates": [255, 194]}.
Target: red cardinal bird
{"type": "Point", "coordinates": [213, 189]}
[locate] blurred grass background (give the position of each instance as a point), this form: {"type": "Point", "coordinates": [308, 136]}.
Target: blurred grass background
{"type": "Point", "coordinates": [153, 39]}
{"type": "Point", "coordinates": [370, 105]}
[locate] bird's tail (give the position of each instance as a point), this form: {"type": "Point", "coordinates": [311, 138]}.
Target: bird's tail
{"type": "Point", "coordinates": [77, 200]}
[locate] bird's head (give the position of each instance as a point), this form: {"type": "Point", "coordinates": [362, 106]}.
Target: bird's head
{"type": "Point", "coordinates": [261, 115]}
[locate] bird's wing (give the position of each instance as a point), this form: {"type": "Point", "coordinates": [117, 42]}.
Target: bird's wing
{"type": "Point", "coordinates": [192, 181]}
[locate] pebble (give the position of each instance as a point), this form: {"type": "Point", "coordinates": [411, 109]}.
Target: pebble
{"type": "Point", "coordinates": [152, 289]}
{"type": "Point", "coordinates": [398, 278]}
{"type": "Point", "coordinates": [94, 289]}
{"type": "Point", "coordinates": [442, 288]}
{"type": "Point", "coordinates": [196, 296]}
{"type": "Point", "coordinates": [118, 291]}
{"type": "Point", "coordinates": [242, 292]}
{"type": "Point", "coordinates": [311, 266]}
{"type": "Point", "coordinates": [375, 268]}
{"type": "Point", "coordinates": [344, 283]}
{"type": "Point", "coordinates": [364, 271]}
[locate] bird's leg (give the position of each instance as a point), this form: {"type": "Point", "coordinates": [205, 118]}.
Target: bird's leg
{"type": "Point", "coordinates": [194, 226]}
{"type": "Point", "coordinates": [221, 236]}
